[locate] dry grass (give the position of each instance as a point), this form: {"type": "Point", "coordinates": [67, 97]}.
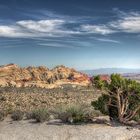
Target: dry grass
{"type": "Point", "coordinates": [75, 113]}
{"type": "Point", "coordinates": [40, 115]}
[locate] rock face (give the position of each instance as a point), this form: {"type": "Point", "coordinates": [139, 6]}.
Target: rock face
{"type": "Point", "coordinates": [13, 75]}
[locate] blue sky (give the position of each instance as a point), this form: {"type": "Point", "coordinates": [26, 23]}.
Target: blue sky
{"type": "Point", "coordinates": [83, 34]}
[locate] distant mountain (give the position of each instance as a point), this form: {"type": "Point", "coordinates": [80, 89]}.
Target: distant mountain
{"type": "Point", "coordinates": [110, 71]}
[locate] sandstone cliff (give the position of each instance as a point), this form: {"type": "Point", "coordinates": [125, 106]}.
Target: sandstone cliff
{"type": "Point", "coordinates": [13, 75]}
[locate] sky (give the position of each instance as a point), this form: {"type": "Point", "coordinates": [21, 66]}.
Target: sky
{"type": "Point", "coordinates": [83, 34]}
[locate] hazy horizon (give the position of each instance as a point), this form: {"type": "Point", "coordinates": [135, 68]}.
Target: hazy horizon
{"type": "Point", "coordinates": [82, 34]}
{"type": "Point", "coordinates": [101, 68]}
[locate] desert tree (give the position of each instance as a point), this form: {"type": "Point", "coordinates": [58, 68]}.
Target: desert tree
{"type": "Point", "coordinates": [120, 99]}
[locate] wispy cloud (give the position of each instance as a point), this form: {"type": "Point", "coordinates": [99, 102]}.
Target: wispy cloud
{"type": "Point", "coordinates": [126, 23]}
{"type": "Point", "coordinates": [61, 26]}
{"type": "Point", "coordinates": [11, 31]}
{"type": "Point", "coordinates": [41, 28]}
{"type": "Point", "coordinates": [107, 40]}
{"type": "Point", "coordinates": [129, 23]}
{"type": "Point", "coordinates": [56, 45]}
{"type": "Point", "coordinates": [97, 29]}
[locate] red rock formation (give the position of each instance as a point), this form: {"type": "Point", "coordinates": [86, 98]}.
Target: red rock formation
{"type": "Point", "coordinates": [12, 75]}
{"type": "Point", "coordinates": [105, 78]}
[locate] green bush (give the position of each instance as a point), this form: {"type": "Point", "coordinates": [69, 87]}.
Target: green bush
{"type": "Point", "coordinates": [75, 114]}
{"type": "Point", "coordinates": [40, 115]}
{"type": "Point", "coordinates": [98, 83]}
{"type": "Point", "coordinates": [17, 115]}
{"type": "Point", "coordinates": [101, 104]}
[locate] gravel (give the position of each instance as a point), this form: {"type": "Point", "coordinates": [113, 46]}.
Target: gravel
{"type": "Point", "coordinates": [29, 130]}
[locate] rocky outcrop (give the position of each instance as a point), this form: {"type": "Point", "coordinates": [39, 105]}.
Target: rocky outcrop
{"type": "Point", "coordinates": [105, 78]}
{"type": "Point", "coordinates": [13, 75]}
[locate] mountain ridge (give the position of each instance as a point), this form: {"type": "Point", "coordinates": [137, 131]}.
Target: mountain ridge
{"type": "Point", "coordinates": [109, 71]}
{"type": "Point", "coordinates": [41, 76]}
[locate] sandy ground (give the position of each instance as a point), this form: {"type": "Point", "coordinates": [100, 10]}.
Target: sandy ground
{"type": "Point", "coordinates": [29, 130]}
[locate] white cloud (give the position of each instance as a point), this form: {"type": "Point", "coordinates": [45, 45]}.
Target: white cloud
{"type": "Point", "coordinates": [14, 32]}
{"type": "Point", "coordinates": [10, 31]}
{"type": "Point", "coordinates": [129, 23]}
{"type": "Point", "coordinates": [42, 25]}
{"type": "Point", "coordinates": [126, 22]}
{"type": "Point", "coordinates": [41, 28]}
{"type": "Point", "coordinates": [97, 29]}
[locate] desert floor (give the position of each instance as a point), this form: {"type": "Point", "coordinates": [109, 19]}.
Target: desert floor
{"type": "Point", "coordinates": [54, 130]}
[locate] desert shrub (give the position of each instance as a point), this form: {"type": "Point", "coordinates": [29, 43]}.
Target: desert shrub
{"type": "Point", "coordinates": [101, 104]}
{"type": "Point", "coordinates": [121, 101]}
{"type": "Point", "coordinates": [98, 83]}
{"type": "Point", "coordinates": [17, 115]}
{"type": "Point", "coordinates": [2, 115]}
{"type": "Point", "coordinates": [40, 115]}
{"type": "Point", "coordinates": [75, 114]}
{"type": "Point", "coordinates": [9, 109]}
{"type": "Point", "coordinates": [29, 115]}
{"type": "Point", "coordinates": [2, 98]}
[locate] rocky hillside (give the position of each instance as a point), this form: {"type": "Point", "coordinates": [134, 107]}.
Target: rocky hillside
{"type": "Point", "coordinates": [13, 75]}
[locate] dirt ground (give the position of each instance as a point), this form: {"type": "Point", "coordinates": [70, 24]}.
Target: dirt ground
{"type": "Point", "coordinates": [29, 130]}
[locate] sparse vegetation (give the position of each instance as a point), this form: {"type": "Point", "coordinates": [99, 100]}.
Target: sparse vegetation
{"type": "Point", "coordinates": [75, 114]}
{"type": "Point", "coordinates": [31, 98]}
{"type": "Point", "coordinates": [40, 115]}
{"type": "Point", "coordinates": [2, 115]}
{"type": "Point", "coordinates": [17, 115]}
